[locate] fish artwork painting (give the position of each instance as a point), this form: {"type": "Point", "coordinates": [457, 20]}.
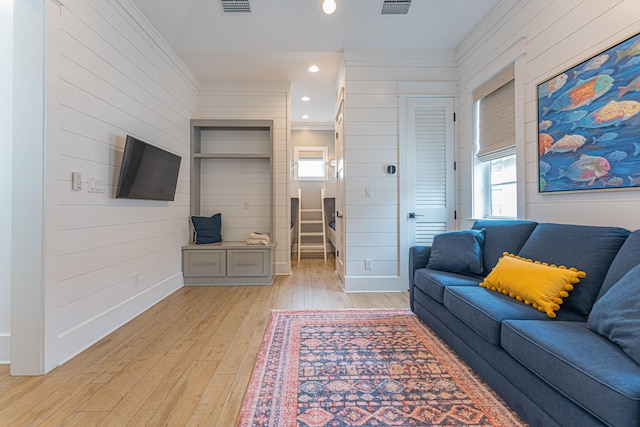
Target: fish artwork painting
{"type": "Point", "coordinates": [589, 123]}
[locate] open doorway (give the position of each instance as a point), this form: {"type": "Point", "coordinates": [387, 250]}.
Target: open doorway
{"type": "Point", "coordinates": [313, 177]}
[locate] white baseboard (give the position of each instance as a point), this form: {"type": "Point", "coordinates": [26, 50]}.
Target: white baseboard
{"type": "Point", "coordinates": [5, 349]}
{"type": "Point", "coordinates": [77, 339]}
{"type": "Point", "coordinates": [375, 284]}
{"type": "Point", "coordinates": [282, 268]}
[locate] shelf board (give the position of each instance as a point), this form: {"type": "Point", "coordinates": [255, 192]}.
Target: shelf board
{"type": "Point", "coordinates": [228, 245]}
{"type": "Point", "coordinates": [232, 155]}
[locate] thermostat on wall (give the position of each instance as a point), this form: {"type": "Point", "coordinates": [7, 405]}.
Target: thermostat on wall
{"type": "Point", "coordinates": [390, 169]}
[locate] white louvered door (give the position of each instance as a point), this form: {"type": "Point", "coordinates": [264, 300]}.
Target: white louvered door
{"type": "Point", "coordinates": [430, 169]}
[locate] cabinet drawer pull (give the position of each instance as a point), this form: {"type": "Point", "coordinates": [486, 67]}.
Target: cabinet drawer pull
{"type": "Point", "coordinates": [205, 263]}
{"type": "Point", "coordinates": [246, 264]}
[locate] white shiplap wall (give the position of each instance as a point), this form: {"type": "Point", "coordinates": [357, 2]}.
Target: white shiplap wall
{"type": "Point", "coordinates": [244, 199]}
{"type": "Point", "coordinates": [374, 82]}
{"type": "Point", "coordinates": [555, 35]}
{"type": "Point", "coordinates": [113, 75]}
{"type": "Point", "coordinates": [6, 125]}
{"type": "Point", "coordinates": [268, 101]}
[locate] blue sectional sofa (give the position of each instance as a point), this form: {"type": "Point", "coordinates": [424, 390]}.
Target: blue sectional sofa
{"type": "Point", "coordinates": [551, 371]}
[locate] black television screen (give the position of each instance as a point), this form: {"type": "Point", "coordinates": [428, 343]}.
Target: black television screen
{"type": "Point", "coordinates": [147, 172]}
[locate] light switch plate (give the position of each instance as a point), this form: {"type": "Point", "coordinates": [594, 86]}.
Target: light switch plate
{"type": "Point", "coordinates": [96, 184]}
{"type": "Point", "coordinates": [76, 181]}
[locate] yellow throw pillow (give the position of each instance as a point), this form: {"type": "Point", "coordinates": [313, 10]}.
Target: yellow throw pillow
{"type": "Point", "coordinates": [540, 285]}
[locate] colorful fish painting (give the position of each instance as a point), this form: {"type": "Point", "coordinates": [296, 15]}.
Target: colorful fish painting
{"type": "Point", "coordinates": [587, 169]}
{"type": "Point", "coordinates": [567, 143]}
{"type": "Point", "coordinates": [633, 86]}
{"type": "Point", "coordinates": [544, 168]}
{"type": "Point", "coordinates": [544, 125]}
{"type": "Point", "coordinates": [552, 86]}
{"type": "Point", "coordinates": [616, 156]}
{"type": "Point", "coordinates": [583, 93]}
{"type": "Point", "coordinates": [632, 51]}
{"type": "Point", "coordinates": [573, 118]}
{"type": "Point", "coordinates": [545, 141]}
{"type": "Point", "coordinates": [588, 123]}
{"type": "Point", "coordinates": [611, 114]}
{"type": "Point", "coordinates": [631, 63]}
{"type": "Point", "coordinates": [592, 64]}
{"type": "Point", "coordinates": [600, 139]}
{"type": "Point", "coordinates": [614, 181]}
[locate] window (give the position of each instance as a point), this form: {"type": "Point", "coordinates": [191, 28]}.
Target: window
{"type": "Point", "coordinates": [495, 166]}
{"type": "Point", "coordinates": [310, 163]}
{"type": "Point", "coordinates": [502, 187]}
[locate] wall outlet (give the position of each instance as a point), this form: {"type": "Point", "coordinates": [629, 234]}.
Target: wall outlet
{"type": "Point", "coordinates": [368, 264]}
{"type": "Point", "coordinates": [135, 280]}
{"type": "Point", "coordinates": [368, 191]}
{"type": "Point", "coordinates": [245, 205]}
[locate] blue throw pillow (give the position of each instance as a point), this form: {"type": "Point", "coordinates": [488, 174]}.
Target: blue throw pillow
{"type": "Point", "coordinates": [616, 315]}
{"type": "Point", "coordinates": [457, 251]}
{"type": "Point", "coordinates": [207, 230]}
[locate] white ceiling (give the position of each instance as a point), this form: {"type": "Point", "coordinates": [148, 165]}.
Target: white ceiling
{"type": "Point", "coordinates": [280, 39]}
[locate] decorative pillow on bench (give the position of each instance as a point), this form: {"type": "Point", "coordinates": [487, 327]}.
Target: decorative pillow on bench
{"type": "Point", "coordinates": [457, 251]}
{"type": "Point", "coordinates": [616, 315]}
{"type": "Point", "coordinates": [207, 230]}
{"type": "Point", "coordinates": [540, 285]}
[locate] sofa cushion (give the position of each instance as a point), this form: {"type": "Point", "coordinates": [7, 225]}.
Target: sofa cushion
{"type": "Point", "coordinates": [588, 248]}
{"type": "Point", "coordinates": [434, 282]}
{"type": "Point", "coordinates": [540, 285]}
{"type": "Point", "coordinates": [484, 311]}
{"type": "Point", "coordinates": [616, 315]}
{"type": "Point", "coordinates": [627, 257]}
{"type": "Point", "coordinates": [457, 251]}
{"type": "Point", "coordinates": [581, 364]}
{"type": "Point", "coordinates": [502, 236]}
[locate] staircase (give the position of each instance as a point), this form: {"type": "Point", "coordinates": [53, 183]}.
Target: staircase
{"type": "Point", "coordinates": [309, 239]}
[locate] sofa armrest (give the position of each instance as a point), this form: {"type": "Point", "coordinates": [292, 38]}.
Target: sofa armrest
{"type": "Point", "coordinates": [418, 258]}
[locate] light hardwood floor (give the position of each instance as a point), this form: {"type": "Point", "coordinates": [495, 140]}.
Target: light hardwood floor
{"type": "Point", "coordinates": [184, 362]}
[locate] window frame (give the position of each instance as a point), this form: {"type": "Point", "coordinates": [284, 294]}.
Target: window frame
{"type": "Point", "coordinates": [482, 188]}
{"type": "Point", "coordinates": [296, 159]}
{"type": "Point", "coordinates": [489, 185]}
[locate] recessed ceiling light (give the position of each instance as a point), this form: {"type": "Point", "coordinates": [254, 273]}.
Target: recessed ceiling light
{"type": "Point", "coordinates": [328, 6]}
{"type": "Point", "coordinates": [305, 116]}
{"type": "Point", "coordinates": [305, 98]}
{"type": "Point", "coordinates": [314, 69]}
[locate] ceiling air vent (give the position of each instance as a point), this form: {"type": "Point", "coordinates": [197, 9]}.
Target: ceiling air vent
{"type": "Point", "coordinates": [395, 7]}
{"type": "Point", "coordinates": [235, 6]}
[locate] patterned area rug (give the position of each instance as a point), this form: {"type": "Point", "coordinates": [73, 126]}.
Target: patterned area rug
{"type": "Point", "coordinates": [364, 368]}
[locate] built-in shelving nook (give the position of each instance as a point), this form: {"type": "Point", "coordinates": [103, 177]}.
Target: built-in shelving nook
{"type": "Point", "coordinates": [232, 174]}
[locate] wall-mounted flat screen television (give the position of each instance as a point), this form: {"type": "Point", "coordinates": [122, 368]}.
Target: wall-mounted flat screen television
{"type": "Point", "coordinates": [147, 172]}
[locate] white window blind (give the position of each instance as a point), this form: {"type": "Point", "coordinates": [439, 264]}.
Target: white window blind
{"type": "Point", "coordinates": [496, 116]}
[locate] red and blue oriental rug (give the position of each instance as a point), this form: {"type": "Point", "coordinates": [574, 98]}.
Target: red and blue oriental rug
{"type": "Point", "coordinates": [363, 368]}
